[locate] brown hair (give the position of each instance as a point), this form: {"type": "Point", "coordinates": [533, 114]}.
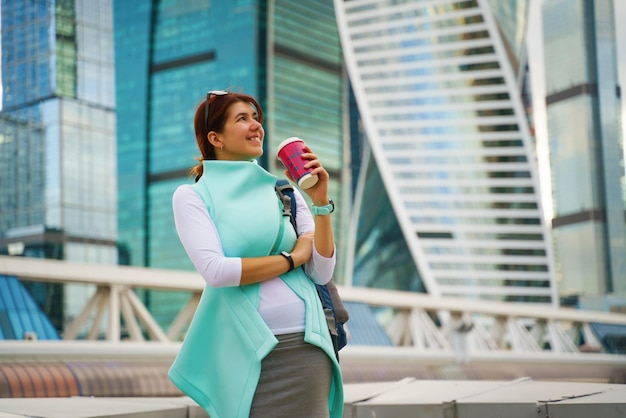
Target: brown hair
{"type": "Point", "coordinates": [218, 110]}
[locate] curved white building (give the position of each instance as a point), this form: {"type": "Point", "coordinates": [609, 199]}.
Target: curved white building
{"type": "Point", "coordinates": [436, 84]}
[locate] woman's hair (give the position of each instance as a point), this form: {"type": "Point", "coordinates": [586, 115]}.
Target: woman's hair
{"type": "Point", "coordinates": [218, 110]}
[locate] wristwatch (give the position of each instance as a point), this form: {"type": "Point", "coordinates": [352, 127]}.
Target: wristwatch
{"type": "Point", "coordinates": [324, 210]}
{"type": "Point", "coordinates": [289, 258]}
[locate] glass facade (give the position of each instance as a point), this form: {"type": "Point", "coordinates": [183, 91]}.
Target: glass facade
{"type": "Point", "coordinates": [586, 155]}
{"type": "Point", "coordinates": [306, 94]}
{"type": "Point", "coordinates": [436, 84]}
{"type": "Point", "coordinates": [511, 17]}
{"type": "Point", "coordinates": [58, 196]}
{"type": "Point", "coordinates": [382, 258]}
{"type": "Point", "coordinates": [168, 55]}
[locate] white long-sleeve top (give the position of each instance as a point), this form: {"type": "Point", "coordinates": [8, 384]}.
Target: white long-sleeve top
{"type": "Point", "coordinates": [279, 306]}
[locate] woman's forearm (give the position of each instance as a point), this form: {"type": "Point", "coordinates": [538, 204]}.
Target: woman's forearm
{"type": "Point", "coordinates": [258, 269]}
{"type": "Point", "coordinates": [324, 238]}
{"type": "Point", "coordinates": [254, 270]}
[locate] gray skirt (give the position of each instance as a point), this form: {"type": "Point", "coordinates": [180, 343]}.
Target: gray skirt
{"type": "Point", "coordinates": [295, 381]}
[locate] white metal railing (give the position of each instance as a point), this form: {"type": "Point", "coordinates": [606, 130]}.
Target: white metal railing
{"type": "Point", "coordinates": [460, 327]}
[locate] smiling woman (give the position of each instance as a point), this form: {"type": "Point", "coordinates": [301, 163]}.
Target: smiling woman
{"type": "Point", "coordinates": [258, 344]}
{"type": "Point", "coordinates": [211, 119]}
{"type": "Point", "coordinates": [242, 136]}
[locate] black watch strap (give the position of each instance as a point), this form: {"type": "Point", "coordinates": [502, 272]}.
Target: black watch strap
{"type": "Point", "coordinates": [288, 257]}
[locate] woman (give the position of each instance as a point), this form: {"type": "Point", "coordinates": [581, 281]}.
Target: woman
{"type": "Point", "coordinates": [259, 344]}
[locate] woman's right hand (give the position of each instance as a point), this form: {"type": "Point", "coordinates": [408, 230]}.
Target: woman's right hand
{"type": "Point", "coordinates": [303, 249]}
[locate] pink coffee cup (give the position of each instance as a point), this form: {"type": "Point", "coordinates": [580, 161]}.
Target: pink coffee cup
{"type": "Point", "coordinates": [290, 153]}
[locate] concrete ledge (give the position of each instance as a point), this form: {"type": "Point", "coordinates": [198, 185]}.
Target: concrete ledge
{"type": "Point", "coordinates": [89, 407]}
{"type": "Point", "coordinates": [405, 398]}
{"type": "Point", "coordinates": [521, 398]}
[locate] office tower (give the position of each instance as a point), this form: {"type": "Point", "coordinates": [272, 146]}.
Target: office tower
{"type": "Point", "coordinates": [57, 150]}
{"type": "Point", "coordinates": [448, 199]}
{"type": "Point", "coordinates": [585, 143]}
{"type": "Point", "coordinates": [168, 55]}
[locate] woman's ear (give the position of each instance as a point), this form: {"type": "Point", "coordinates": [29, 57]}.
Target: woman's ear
{"type": "Point", "coordinates": [214, 139]}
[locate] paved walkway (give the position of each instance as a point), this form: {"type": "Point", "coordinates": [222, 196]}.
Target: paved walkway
{"type": "Point", "coordinates": [406, 398]}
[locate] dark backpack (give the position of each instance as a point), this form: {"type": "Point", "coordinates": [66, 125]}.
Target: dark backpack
{"type": "Point", "coordinates": [331, 302]}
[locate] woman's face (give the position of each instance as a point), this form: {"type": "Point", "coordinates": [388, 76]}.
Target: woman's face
{"type": "Point", "coordinates": [242, 138]}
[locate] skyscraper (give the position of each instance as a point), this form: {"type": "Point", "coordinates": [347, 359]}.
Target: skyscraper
{"type": "Point", "coordinates": [169, 54]}
{"type": "Point", "coordinates": [586, 154]}
{"type": "Point", "coordinates": [58, 195]}
{"type": "Point", "coordinates": [448, 201]}
{"type": "Point", "coordinates": [58, 190]}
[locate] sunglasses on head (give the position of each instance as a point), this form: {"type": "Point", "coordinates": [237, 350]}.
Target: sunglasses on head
{"type": "Point", "coordinates": [208, 100]}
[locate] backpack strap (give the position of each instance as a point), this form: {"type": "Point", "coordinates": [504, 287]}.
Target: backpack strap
{"type": "Point", "coordinates": [328, 297]}
{"type": "Point", "coordinates": [284, 190]}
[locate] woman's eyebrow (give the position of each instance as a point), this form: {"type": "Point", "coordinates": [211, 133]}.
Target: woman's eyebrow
{"type": "Point", "coordinates": [254, 114]}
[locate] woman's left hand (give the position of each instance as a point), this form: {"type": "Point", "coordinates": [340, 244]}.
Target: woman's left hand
{"type": "Point", "coordinates": [319, 192]}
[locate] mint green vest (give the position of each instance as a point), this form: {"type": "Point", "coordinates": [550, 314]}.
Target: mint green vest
{"type": "Point", "coordinates": [219, 362]}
